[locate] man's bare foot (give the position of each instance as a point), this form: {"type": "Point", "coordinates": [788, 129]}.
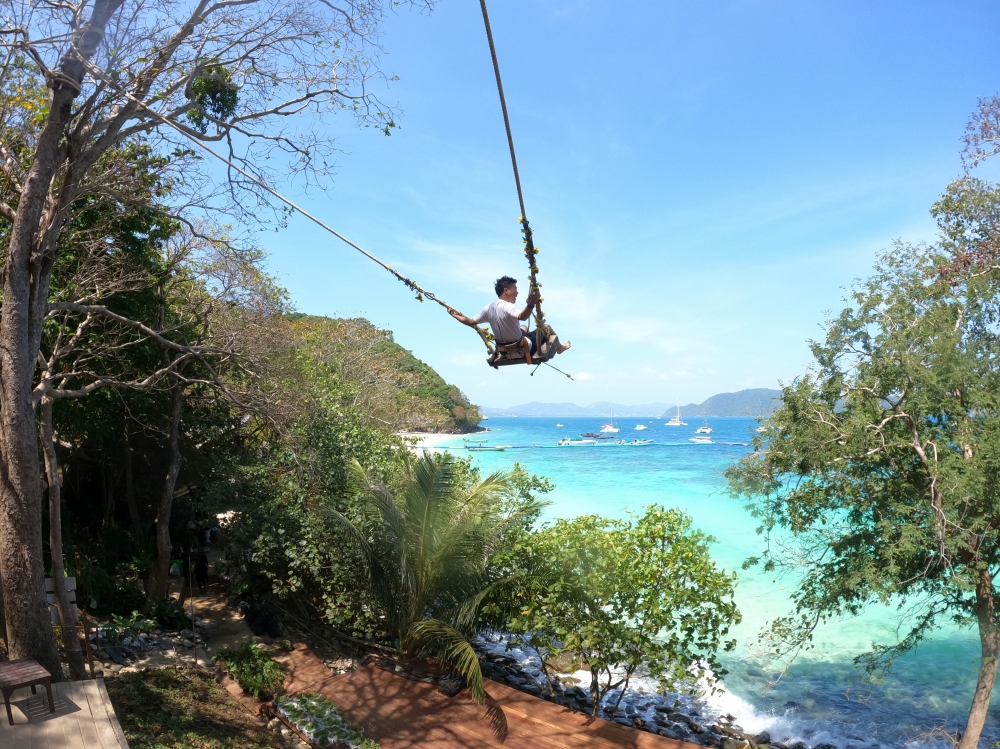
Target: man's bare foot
{"type": "Point", "coordinates": [563, 346]}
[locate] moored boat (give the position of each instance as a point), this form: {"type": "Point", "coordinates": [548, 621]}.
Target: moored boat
{"type": "Point", "coordinates": [610, 428]}
{"type": "Point", "coordinates": [676, 420]}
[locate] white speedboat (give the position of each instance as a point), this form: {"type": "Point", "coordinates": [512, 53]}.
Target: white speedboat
{"type": "Point", "coordinates": [558, 425]}
{"type": "Point", "coordinates": [640, 427]}
{"type": "Point", "coordinates": [703, 440]}
{"type": "Point", "coordinates": [704, 428]}
{"type": "Point", "coordinates": [676, 420]}
{"type": "Point", "coordinates": [642, 442]}
{"type": "Point", "coordinates": [490, 448]}
{"type": "Point", "coordinates": [575, 443]}
{"type": "Point", "coordinates": [761, 429]}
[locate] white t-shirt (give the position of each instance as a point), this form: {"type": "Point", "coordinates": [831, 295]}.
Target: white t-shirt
{"type": "Point", "coordinates": [502, 317]}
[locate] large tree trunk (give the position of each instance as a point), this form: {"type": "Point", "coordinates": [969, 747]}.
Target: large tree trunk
{"type": "Point", "coordinates": [157, 589]}
{"type": "Point", "coordinates": [27, 271]}
{"type": "Point", "coordinates": [989, 638]}
{"type": "Point", "coordinates": [3, 627]}
{"type": "Point", "coordinates": [133, 508]}
{"type": "Point", "coordinates": [67, 613]}
{"type": "Point", "coordinates": [24, 296]}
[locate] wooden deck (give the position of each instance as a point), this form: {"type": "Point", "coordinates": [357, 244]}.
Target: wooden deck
{"type": "Point", "coordinates": [400, 713]}
{"type": "Point", "coordinates": [84, 719]}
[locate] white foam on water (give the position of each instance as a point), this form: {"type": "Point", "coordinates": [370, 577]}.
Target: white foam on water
{"type": "Point", "coordinates": [784, 725]}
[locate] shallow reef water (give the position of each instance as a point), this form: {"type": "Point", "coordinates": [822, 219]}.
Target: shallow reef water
{"type": "Point", "coordinates": [822, 698]}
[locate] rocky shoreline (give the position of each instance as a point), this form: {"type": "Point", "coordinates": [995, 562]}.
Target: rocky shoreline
{"type": "Point", "coordinates": [639, 708]}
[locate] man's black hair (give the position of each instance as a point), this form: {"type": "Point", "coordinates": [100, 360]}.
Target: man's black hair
{"type": "Point", "coordinates": [503, 283]}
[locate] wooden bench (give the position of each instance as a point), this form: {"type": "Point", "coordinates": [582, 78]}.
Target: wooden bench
{"type": "Point", "coordinates": [24, 672]}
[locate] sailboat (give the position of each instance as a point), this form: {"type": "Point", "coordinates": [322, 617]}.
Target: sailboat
{"type": "Point", "coordinates": [608, 431]}
{"type": "Point", "coordinates": [676, 420]}
{"type": "Point", "coordinates": [610, 428]}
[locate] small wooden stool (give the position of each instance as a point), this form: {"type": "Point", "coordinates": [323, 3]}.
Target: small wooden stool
{"type": "Point", "coordinates": [24, 672]}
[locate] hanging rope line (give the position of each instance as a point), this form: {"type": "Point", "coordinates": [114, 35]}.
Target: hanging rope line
{"type": "Point", "coordinates": [412, 285]}
{"type": "Point", "coordinates": [503, 105]}
{"type": "Point", "coordinates": [530, 251]}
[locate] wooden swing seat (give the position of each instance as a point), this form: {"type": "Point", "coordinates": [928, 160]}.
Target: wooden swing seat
{"type": "Point", "coordinates": [506, 354]}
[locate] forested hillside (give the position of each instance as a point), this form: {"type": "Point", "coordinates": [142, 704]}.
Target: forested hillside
{"type": "Point", "coordinates": [404, 391]}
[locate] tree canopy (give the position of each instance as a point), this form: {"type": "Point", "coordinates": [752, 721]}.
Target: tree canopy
{"type": "Point", "coordinates": [882, 463]}
{"type": "Point", "coordinates": [620, 595]}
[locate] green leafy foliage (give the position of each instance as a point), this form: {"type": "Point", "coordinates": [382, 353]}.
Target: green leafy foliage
{"type": "Point", "coordinates": [876, 481]}
{"type": "Point", "coordinates": [620, 594]}
{"type": "Point", "coordinates": [384, 379]}
{"type": "Point", "coordinates": [253, 668]}
{"type": "Point", "coordinates": [283, 534]}
{"type": "Point", "coordinates": [113, 595]}
{"type": "Point", "coordinates": [215, 94]}
{"type": "Point", "coordinates": [121, 628]}
{"type": "Point", "coordinates": [428, 547]}
{"type": "Point", "coordinates": [169, 614]}
{"type": "Point", "coordinates": [322, 722]}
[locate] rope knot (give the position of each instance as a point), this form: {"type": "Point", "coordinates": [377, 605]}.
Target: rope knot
{"type": "Point", "coordinates": [56, 80]}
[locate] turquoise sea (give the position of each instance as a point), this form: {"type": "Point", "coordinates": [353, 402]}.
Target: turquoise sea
{"type": "Point", "coordinates": [822, 698]}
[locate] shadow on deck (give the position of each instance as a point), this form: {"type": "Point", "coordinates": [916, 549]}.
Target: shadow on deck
{"type": "Point", "coordinates": [399, 713]}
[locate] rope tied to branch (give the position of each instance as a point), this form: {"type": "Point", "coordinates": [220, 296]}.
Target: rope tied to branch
{"type": "Point", "coordinates": [56, 79]}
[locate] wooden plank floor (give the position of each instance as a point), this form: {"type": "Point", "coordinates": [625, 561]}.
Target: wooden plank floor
{"type": "Point", "coordinates": [401, 713]}
{"type": "Point", "coordinates": [84, 719]}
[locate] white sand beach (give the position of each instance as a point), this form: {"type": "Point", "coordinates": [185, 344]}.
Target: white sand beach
{"type": "Point", "coordinates": [431, 439]}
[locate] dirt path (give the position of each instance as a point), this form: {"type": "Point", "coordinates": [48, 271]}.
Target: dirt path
{"type": "Point", "coordinates": [224, 626]}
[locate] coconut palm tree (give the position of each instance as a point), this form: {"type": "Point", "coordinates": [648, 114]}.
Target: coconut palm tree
{"type": "Point", "coordinates": [428, 548]}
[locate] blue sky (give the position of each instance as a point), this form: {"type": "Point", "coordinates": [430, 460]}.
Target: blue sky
{"type": "Point", "coordinates": [703, 179]}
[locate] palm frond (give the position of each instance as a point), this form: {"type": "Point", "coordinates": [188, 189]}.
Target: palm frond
{"type": "Point", "coordinates": [499, 529]}
{"type": "Point", "coordinates": [438, 638]}
{"type": "Point", "coordinates": [393, 526]}
{"type": "Point", "coordinates": [468, 609]}
{"type": "Point", "coordinates": [487, 490]}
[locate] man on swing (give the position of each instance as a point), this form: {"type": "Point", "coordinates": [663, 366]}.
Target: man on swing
{"type": "Point", "coordinates": [505, 319]}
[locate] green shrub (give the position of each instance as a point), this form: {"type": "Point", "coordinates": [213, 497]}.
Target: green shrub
{"type": "Point", "coordinates": [123, 627]}
{"type": "Point", "coordinates": [169, 614]}
{"type": "Point", "coordinates": [113, 596]}
{"type": "Point", "coordinates": [322, 722]}
{"type": "Point", "coordinates": [253, 668]}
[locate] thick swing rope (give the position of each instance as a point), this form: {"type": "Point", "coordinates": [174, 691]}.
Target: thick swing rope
{"type": "Point", "coordinates": [529, 246]}
{"type": "Point", "coordinates": [412, 285]}
{"type": "Point", "coordinates": [503, 106]}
